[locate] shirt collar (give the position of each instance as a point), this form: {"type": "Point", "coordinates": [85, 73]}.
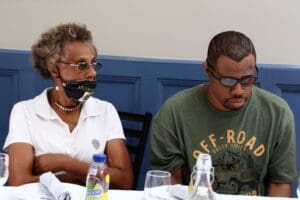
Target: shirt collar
{"type": "Point", "coordinates": [43, 108]}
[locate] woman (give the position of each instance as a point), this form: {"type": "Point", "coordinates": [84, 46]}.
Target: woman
{"type": "Point", "coordinates": [60, 129]}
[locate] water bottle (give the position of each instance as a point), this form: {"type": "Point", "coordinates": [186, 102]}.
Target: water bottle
{"type": "Point", "coordinates": [200, 187]}
{"type": "Point", "coordinates": [97, 180]}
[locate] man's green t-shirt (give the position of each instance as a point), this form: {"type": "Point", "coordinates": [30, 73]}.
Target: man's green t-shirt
{"type": "Point", "coordinates": [250, 147]}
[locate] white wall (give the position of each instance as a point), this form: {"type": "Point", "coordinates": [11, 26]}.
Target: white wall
{"type": "Point", "coordinates": [172, 29]}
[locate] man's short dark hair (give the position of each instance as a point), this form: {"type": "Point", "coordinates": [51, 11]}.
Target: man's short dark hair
{"type": "Point", "coordinates": [232, 44]}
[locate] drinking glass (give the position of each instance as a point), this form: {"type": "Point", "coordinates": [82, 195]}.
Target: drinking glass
{"type": "Point", "coordinates": [3, 168]}
{"type": "Point", "coordinates": [157, 185]}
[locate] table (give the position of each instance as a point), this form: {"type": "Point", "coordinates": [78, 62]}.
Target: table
{"type": "Point", "coordinates": [34, 191]}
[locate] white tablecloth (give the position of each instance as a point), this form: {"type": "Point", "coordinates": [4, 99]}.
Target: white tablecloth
{"type": "Point", "coordinates": [34, 191]}
{"type": "Point", "coordinates": [37, 191]}
{"type": "Point", "coordinates": [139, 195]}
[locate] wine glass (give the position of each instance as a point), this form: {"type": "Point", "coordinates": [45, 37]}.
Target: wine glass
{"type": "Point", "coordinates": [3, 168]}
{"type": "Point", "coordinates": [157, 185]}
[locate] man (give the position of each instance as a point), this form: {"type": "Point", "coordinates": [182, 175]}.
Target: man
{"type": "Point", "coordinates": [249, 132]}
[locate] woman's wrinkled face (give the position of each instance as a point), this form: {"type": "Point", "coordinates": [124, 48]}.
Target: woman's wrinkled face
{"type": "Point", "coordinates": [229, 98]}
{"type": "Point", "coordinates": [75, 56]}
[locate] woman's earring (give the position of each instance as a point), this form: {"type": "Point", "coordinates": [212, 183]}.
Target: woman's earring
{"type": "Point", "coordinates": [56, 88]}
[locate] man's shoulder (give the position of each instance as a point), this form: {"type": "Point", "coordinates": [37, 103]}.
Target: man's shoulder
{"type": "Point", "coordinates": [184, 95]}
{"type": "Point", "coordinates": [269, 98]}
{"type": "Point", "coordinates": [182, 102]}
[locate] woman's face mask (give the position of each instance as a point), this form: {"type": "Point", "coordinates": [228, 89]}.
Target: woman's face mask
{"type": "Point", "coordinates": [79, 91]}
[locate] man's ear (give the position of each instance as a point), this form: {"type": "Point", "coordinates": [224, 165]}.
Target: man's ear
{"type": "Point", "coordinates": [53, 71]}
{"type": "Point", "coordinates": [206, 68]}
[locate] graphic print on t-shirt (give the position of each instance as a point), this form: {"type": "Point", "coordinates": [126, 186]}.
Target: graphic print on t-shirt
{"type": "Point", "coordinates": [233, 158]}
{"type": "Point", "coordinates": [234, 173]}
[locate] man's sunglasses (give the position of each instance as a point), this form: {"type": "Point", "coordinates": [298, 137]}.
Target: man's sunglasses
{"type": "Point", "coordinates": [228, 81]}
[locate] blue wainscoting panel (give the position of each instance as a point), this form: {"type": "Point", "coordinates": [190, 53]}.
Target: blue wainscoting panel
{"type": "Point", "coordinates": [9, 83]}
{"type": "Point", "coordinates": [137, 85]}
{"type": "Point", "coordinates": [124, 91]}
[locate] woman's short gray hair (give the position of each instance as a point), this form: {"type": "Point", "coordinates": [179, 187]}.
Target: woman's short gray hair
{"type": "Point", "coordinates": [48, 49]}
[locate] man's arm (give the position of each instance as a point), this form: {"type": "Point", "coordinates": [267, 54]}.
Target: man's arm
{"type": "Point", "coordinates": [282, 165]}
{"type": "Point", "coordinates": [176, 177]}
{"type": "Point", "coordinates": [279, 190]}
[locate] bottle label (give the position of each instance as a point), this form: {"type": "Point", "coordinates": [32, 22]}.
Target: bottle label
{"type": "Point", "coordinates": [94, 192]}
{"type": "Point", "coordinates": [97, 188]}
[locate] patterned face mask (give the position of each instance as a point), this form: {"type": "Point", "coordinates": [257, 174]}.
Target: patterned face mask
{"type": "Point", "coordinates": [79, 90]}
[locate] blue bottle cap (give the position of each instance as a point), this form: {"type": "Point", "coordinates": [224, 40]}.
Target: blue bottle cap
{"type": "Point", "coordinates": [99, 157]}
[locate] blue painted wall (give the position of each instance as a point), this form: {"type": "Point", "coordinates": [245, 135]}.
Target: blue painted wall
{"type": "Point", "coordinates": [136, 85]}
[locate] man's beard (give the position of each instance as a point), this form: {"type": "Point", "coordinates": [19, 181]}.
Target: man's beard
{"type": "Point", "coordinates": [236, 97]}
